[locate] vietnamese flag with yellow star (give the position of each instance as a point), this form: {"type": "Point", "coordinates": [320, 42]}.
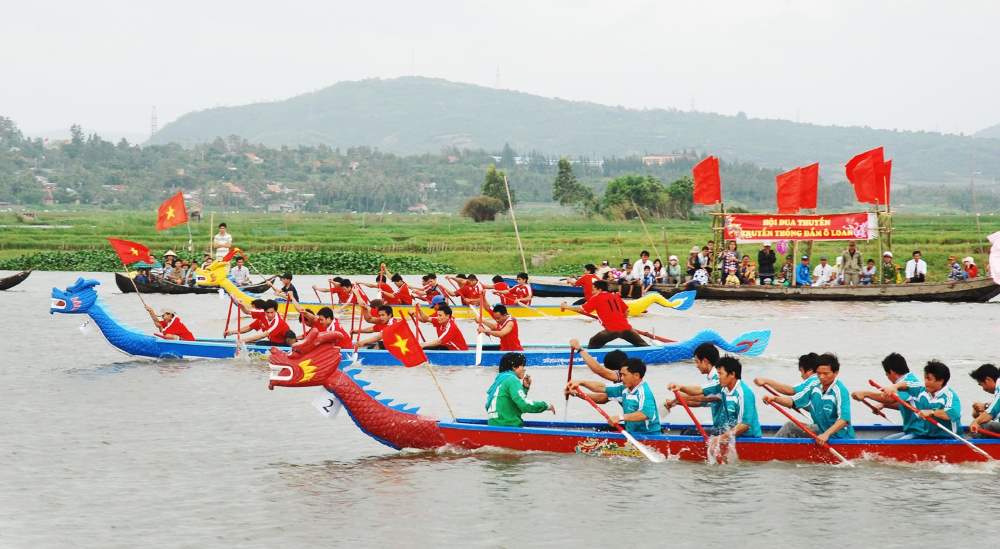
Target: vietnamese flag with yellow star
{"type": "Point", "coordinates": [401, 343]}
{"type": "Point", "coordinates": [171, 213]}
{"type": "Point", "coordinates": [131, 252]}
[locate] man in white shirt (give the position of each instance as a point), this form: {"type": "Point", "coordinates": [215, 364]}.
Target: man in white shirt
{"type": "Point", "coordinates": [639, 267]}
{"type": "Point", "coordinates": [222, 242]}
{"type": "Point", "coordinates": [239, 274]}
{"type": "Point", "coordinates": [916, 269]}
{"type": "Point", "coordinates": [823, 273]}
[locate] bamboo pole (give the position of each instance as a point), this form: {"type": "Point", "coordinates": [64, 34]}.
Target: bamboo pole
{"type": "Point", "coordinates": [517, 234]}
{"type": "Point", "coordinates": [211, 239]}
{"type": "Point", "coordinates": [645, 230]}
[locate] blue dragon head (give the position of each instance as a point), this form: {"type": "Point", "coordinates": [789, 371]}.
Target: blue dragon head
{"type": "Point", "coordinates": [75, 299]}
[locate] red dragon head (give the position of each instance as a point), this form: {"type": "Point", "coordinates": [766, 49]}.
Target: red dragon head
{"type": "Point", "coordinates": [313, 361]}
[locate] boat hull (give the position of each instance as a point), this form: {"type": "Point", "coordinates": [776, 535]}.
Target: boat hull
{"type": "Point", "coordinates": [595, 439]}
{"type": "Point", "coordinates": [550, 290]}
{"type": "Point", "coordinates": [124, 284]}
{"type": "Point", "coordinates": [13, 280]}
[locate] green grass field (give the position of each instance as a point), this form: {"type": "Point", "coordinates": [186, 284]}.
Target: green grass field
{"type": "Point", "coordinates": [555, 241]}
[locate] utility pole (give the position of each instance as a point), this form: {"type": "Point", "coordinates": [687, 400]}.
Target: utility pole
{"type": "Point", "coordinates": [153, 124]}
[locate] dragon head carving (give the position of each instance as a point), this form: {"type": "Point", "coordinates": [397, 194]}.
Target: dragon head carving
{"type": "Point", "coordinates": [213, 275]}
{"type": "Point", "coordinates": [313, 361]}
{"type": "Point", "coordinates": [75, 299]}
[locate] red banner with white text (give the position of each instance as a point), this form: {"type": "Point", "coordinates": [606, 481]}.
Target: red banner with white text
{"type": "Point", "coordinates": [764, 227]}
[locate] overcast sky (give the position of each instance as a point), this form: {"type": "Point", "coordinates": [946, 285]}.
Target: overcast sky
{"type": "Point", "coordinates": [909, 65]}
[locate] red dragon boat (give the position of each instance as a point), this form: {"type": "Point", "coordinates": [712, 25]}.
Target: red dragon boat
{"type": "Point", "coordinates": [314, 362]}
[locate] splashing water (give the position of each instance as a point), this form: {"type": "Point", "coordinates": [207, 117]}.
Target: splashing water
{"type": "Point", "coordinates": [721, 452]}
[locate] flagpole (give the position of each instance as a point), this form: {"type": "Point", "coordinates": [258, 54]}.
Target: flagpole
{"type": "Point", "coordinates": [190, 238]}
{"type": "Point", "coordinates": [520, 247]}
{"type": "Point", "coordinates": [211, 239]}
{"type": "Point", "coordinates": [440, 390]}
{"type": "Point", "coordinates": [132, 280]}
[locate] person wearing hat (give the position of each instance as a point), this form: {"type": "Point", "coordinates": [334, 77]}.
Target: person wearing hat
{"type": "Point", "coordinates": [693, 261]}
{"type": "Point", "coordinates": [891, 273]}
{"type": "Point", "coordinates": [970, 267]}
{"type": "Point", "coordinates": [765, 264]}
{"type": "Point", "coordinates": [823, 274]}
{"type": "Point", "coordinates": [803, 274]}
{"type": "Point", "coordinates": [673, 271]}
{"type": "Point", "coordinates": [851, 264]}
{"type": "Point", "coordinates": [169, 326]}
{"type": "Point", "coordinates": [957, 272]}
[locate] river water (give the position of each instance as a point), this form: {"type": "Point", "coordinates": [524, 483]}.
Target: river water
{"type": "Point", "coordinates": [103, 450]}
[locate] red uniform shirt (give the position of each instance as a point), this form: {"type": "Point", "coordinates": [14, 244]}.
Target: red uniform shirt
{"type": "Point", "coordinates": [511, 341]}
{"type": "Point", "coordinates": [505, 299]}
{"type": "Point", "coordinates": [610, 309]}
{"type": "Point", "coordinates": [450, 336]}
{"type": "Point", "coordinates": [344, 341]}
{"type": "Point", "coordinates": [386, 293]}
{"type": "Point", "coordinates": [587, 283]}
{"type": "Point", "coordinates": [430, 291]}
{"type": "Point", "coordinates": [343, 294]}
{"type": "Point", "coordinates": [177, 328]}
{"type": "Point", "coordinates": [276, 329]}
{"type": "Point", "coordinates": [402, 295]}
{"type": "Point", "coordinates": [521, 292]}
{"type": "Point", "coordinates": [471, 293]}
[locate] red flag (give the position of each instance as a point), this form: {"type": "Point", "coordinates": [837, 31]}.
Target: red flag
{"type": "Point", "coordinates": [171, 213]}
{"type": "Point", "coordinates": [789, 185]}
{"type": "Point", "coordinates": [233, 252]}
{"type": "Point", "coordinates": [400, 343]}
{"type": "Point", "coordinates": [131, 252]}
{"type": "Point", "coordinates": [707, 183]}
{"type": "Point", "coordinates": [869, 175]}
{"type": "Point", "coordinates": [808, 186]}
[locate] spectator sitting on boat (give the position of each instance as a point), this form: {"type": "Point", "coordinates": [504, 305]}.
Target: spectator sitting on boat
{"type": "Point", "coordinates": [673, 273]}
{"type": "Point", "coordinates": [785, 274]}
{"type": "Point", "coordinates": [502, 326]}
{"type": "Point", "coordinates": [586, 282]}
{"type": "Point", "coordinates": [640, 266]}
{"type": "Point", "coordinates": [957, 271]}
{"type": "Point", "coordinates": [603, 270]}
{"type": "Point", "coordinates": [731, 280]}
{"type": "Point", "coordinates": [828, 400]}
{"type": "Point", "coordinates": [896, 371]}
{"type": "Point", "coordinates": [916, 269]}
{"type": "Point", "coordinates": [639, 412]}
{"type": "Point", "coordinates": [934, 399]}
{"type": "Point", "coordinates": [729, 261]}
{"type": "Point", "coordinates": [620, 273]}
{"type": "Point", "coordinates": [239, 274]}
{"type": "Point", "coordinates": [169, 326]}
{"type": "Point", "coordinates": [167, 272]}
{"type": "Point", "coordinates": [613, 314]}
{"type": "Point", "coordinates": [706, 356]}
{"type": "Point", "coordinates": [738, 400]}
{"type": "Point", "coordinates": [891, 272]}
{"type": "Point", "coordinates": [177, 274]}
{"type": "Point", "coordinates": [803, 274]}
{"type": "Point", "coordinates": [748, 272]}
{"type": "Point", "coordinates": [970, 267]}
{"type": "Point", "coordinates": [823, 274]}
{"type": "Point", "coordinates": [693, 262]}
{"type": "Point", "coordinates": [838, 272]}
{"type": "Point", "coordinates": [700, 278]}
{"type": "Point", "coordinates": [647, 280]}
{"type": "Point", "coordinates": [142, 276]}
{"type": "Point", "coordinates": [984, 415]}
{"type": "Point", "coordinates": [507, 399]}
{"type": "Point", "coordinates": [868, 273]}
{"type": "Point", "coordinates": [659, 273]}
{"type": "Point", "coordinates": [705, 258]}
{"type": "Point", "coordinates": [222, 241]}
{"type": "Point", "coordinates": [206, 261]}
{"type": "Point", "coordinates": [851, 264]}
{"type": "Point", "coordinates": [613, 362]}
{"type": "Point", "coordinates": [765, 264]}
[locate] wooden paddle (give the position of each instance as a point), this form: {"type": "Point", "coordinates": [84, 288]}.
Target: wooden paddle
{"type": "Point", "coordinates": [649, 453]}
{"type": "Point", "coordinates": [771, 390]}
{"type": "Point", "coordinates": [680, 398]}
{"type": "Point", "coordinates": [953, 434]}
{"type": "Point", "coordinates": [875, 410]}
{"type": "Point", "coordinates": [809, 432]}
{"type": "Point", "coordinates": [569, 377]}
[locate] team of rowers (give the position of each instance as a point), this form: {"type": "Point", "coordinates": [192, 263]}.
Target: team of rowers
{"type": "Point", "coordinates": [733, 403]}
{"type": "Point", "coordinates": [270, 326]}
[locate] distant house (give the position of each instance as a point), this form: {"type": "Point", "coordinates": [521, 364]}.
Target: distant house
{"type": "Point", "coordinates": [253, 158]}
{"type": "Point", "coordinates": [233, 189]}
{"type": "Point", "coordinates": [660, 159]}
{"type": "Point", "coordinates": [418, 208]}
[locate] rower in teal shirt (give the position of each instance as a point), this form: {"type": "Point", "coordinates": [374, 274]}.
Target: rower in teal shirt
{"type": "Point", "coordinates": [906, 386]}
{"type": "Point", "coordinates": [829, 403]}
{"type": "Point", "coordinates": [738, 400]}
{"type": "Point", "coordinates": [639, 412]}
{"type": "Point", "coordinates": [934, 400]}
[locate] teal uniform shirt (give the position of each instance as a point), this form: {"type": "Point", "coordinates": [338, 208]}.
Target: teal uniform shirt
{"type": "Point", "coordinates": [993, 409]}
{"type": "Point", "coordinates": [912, 424]}
{"type": "Point", "coordinates": [740, 407]}
{"type": "Point", "coordinates": [639, 399]}
{"type": "Point", "coordinates": [805, 385]}
{"type": "Point", "coordinates": [945, 399]}
{"type": "Point", "coordinates": [826, 407]}
{"type": "Point", "coordinates": [711, 387]}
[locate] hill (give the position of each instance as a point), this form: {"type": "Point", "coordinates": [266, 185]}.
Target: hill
{"type": "Point", "coordinates": [417, 115]}
{"type": "Point", "coordinates": [992, 132]}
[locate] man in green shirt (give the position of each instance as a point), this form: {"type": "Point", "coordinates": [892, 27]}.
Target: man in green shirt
{"type": "Point", "coordinates": [507, 398]}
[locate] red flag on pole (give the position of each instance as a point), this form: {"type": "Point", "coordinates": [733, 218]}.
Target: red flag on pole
{"type": "Point", "coordinates": [401, 343]}
{"type": "Point", "coordinates": [171, 213]}
{"type": "Point", "coordinates": [869, 175]}
{"type": "Point", "coordinates": [131, 252]}
{"type": "Point", "coordinates": [707, 183]}
{"type": "Point", "coordinates": [808, 186]}
{"type": "Point", "coordinates": [233, 252]}
{"type": "Point", "coordinates": [788, 192]}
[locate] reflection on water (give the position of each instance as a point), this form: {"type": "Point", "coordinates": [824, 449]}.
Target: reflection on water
{"type": "Point", "coordinates": [107, 452]}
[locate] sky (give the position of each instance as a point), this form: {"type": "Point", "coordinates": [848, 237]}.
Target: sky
{"type": "Point", "coordinates": [916, 65]}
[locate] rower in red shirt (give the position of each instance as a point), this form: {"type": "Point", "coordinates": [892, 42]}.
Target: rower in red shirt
{"type": "Point", "coordinates": [613, 314]}
{"type": "Point", "coordinates": [169, 325]}
{"type": "Point", "coordinates": [380, 322]}
{"type": "Point", "coordinates": [401, 295]}
{"type": "Point", "coordinates": [449, 338]}
{"type": "Point", "coordinates": [504, 326]}
{"type": "Point", "coordinates": [271, 326]}
{"type": "Point", "coordinates": [500, 288]}
{"type": "Point", "coordinates": [324, 321]}
{"type": "Point", "coordinates": [385, 290]}
{"type": "Point", "coordinates": [470, 291]}
{"type": "Point", "coordinates": [586, 281]}
{"type": "Point", "coordinates": [341, 287]}
{"type": "Point", "coordinates": [521, 294]}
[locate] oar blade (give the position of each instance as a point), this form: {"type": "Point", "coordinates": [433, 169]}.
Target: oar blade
{"type": "Point", "coordinates": [650, 453]}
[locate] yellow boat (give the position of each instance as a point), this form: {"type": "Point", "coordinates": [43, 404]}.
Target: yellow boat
{"type": "Point", "coordinates": [217, 274]}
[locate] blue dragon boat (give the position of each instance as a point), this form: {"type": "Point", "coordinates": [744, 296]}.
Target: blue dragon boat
{"type": "Point", "coordinates": [81, 298]}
